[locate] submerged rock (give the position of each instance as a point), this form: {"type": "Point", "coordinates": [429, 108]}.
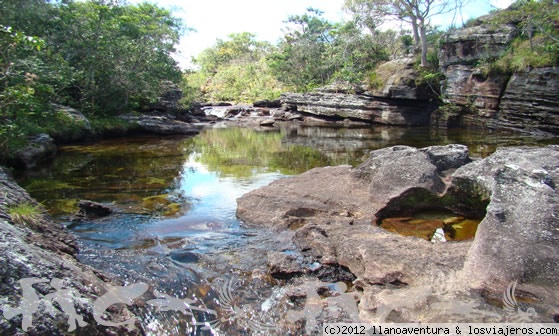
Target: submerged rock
{"type": "Point", "coordinates": [90, 209]}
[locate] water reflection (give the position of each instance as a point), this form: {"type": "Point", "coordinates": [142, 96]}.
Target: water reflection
{"type": "Point", "coordinates": [175, 197]}
{"type": "Point", "coordinates": [176, 186]}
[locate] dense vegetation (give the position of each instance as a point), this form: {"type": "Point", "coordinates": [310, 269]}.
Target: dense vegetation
{"type": "Point", "coordinates": [107, 57]}
{"type": "Point", "coordinates": [102, 57]}
{"type": "Point", "coordinates": [312, 53]}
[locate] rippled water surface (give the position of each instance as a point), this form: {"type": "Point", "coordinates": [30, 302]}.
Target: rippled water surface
{"type": "Point", "coordinates": [174, 198]}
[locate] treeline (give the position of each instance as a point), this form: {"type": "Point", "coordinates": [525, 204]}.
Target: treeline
{"type": "Point", "coordinates": [103, 57]}
{"type": "Point", "coordinates": [107, 57]}
{"type": "Point", "coordinates": [312, 53]}
{"type": "Point", "coordinates": [315, 52]}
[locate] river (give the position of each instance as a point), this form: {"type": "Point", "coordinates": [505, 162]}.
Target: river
{"type": "Point", "coordinates": [174, 202]}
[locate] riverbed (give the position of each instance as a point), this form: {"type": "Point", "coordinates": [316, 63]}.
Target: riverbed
{"type": "Point", "coordinates": [174, 201]}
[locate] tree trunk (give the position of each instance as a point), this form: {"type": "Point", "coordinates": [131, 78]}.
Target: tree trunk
{"type": "Point", "coordinates": [415, 31]}
{"type": "Point", "coordinates": [423, 36]}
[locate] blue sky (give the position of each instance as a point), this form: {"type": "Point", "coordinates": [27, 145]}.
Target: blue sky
{"type": "Point", "coordinates": [213, 19]}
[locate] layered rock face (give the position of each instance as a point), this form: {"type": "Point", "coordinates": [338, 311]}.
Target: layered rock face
{"type": "Point", "coordinates": [334, 212]}
{"type": "Point", "coordinates": [398, 102]}
{"type": "Point", "coordinates": [525, 101]}
{"type": "Point", "coordinates": [530, 101]}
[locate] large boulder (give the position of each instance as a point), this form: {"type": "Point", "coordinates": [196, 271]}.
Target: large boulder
{"type": "Point", "coordinates": [334, 212]}
{"type": "Point", "coordinates": [518, 238]}
{"type": "Point", "coordinates": [34, 249]}
{"type": "Point", "coordinates": [39, 148]}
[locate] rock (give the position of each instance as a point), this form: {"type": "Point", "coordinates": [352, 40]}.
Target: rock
{"type": "Point", "coordinates": [400, 100]}
{"type": "Point", "coordinates": [523, 100]}
{"type": "Point", "coordinates": [469, 45]}
{"type": "Point", "coordinates": [448, 157]}
{"type": "Point", "coordinates": [266, 122]}
{"type": "Point", "coordinates": [389, 172]}
{"type": "Point", "coordinates": [159, 125]}
{"type": "Point", "coordinates": [90, 209]}
{"type": "Point", "coordinates": [169, 100]}
{"type": "Point", "coordinates": [466, 85]}
{"type": "Point", "coordinates": [293, 202]}
{"type": "Point", "coordinates": [276, 103]}
{"type": "Point", "coordinates": [39, 148]}
{"type": "Point", "coordinates": [339, 106]}
{"type": "Point", "coordinates": [46, 251]}
{"type": "Point", "coordinates": [518, 237]}
{"type": "Point", "coordinates": [530, 101]}
{"type": "Point", "coordinates": [401, 80]}
{"type": "Point", "coordinates": [78, 119]}
{"type": "Point", "coordinates": [283, 266]}
{"type": "Point", "coordinates": [331, 210]}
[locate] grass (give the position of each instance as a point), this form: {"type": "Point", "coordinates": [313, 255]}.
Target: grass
{"type": "Point", "coordinates": [26, 213]}
{"type": "Point", "coordinates": [522, 56]}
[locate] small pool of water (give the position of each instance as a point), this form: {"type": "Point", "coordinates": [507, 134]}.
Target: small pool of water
{"type": "Point", "coordinates": [423, 224]}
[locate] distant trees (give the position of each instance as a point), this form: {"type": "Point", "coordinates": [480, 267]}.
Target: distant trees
{"type": "Point", "coordinates": [416, 12]}
{"type": "Point", "coordinates": [234, 70]}
{"type": "Point", "coordinates": [313, 52]}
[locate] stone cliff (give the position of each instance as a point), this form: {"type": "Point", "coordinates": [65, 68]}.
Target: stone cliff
{"type": "Point", "coordinates": [399, 101]}
{"type": "Point", "coordinates": [473, 94]}
{"type": "Point", "coordinates": [525, 100]}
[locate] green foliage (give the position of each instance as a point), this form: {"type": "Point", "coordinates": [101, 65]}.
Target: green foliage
{"type": "Point", "coordinates": [233, 70]}
{"type": "Point", "coordinates": [538, 42]}
{"type": "Point", "coordinates": [315, 52]}
{"type": "Point", "coordinates": [109, 124]}
{"type": "Point", "coordinates": [374, 82]}
{"type": "Point", "coordinates": [121, 52]}
{"type": "Point", "coordinates": [102, 57]}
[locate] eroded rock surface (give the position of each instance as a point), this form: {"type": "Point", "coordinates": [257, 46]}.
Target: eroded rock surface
{"type": "Point", "coordinates": [334, 212]}
{"type": "Point", "coordinates": [36, 247]}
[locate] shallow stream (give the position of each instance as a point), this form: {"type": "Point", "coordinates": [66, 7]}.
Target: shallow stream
{"type": "Point", "coordinates": [174, 201]}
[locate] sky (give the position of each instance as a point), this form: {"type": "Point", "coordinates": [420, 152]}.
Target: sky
{"type": "Point", "coordinates": [216, 19]}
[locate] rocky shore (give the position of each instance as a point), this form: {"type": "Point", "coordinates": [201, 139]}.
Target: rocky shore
{"type": "Point", "coordinates": [334, 212]}
{"type": "Point", "coordinates": [36, 256]}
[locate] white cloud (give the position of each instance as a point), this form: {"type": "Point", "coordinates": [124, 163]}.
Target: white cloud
{"type": "Point", "coordinates": [501, 3]}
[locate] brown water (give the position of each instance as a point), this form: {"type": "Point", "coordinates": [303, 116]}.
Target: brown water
{"type": "Point", "coordinates": [175, 200]}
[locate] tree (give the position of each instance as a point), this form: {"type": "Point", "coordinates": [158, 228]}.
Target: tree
{"type": "Point", "coordinates": [301, 58]}
{"type": "Point", "coordinates": [121, 53]}
{"type": "Point", "coordinates": [416, 12]}
{"type": "Point", "coordinates": [234, 70]}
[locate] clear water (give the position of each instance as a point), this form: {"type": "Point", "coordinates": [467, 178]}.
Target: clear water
{"type": "Point", "coordinates": [174, 198]}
